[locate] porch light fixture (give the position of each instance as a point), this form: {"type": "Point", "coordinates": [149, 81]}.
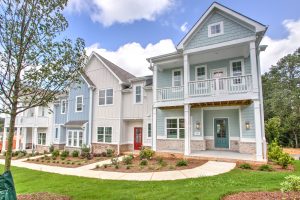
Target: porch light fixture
{"type": "Point", "coordinates": [247, 125]}
{"type": "Point", "coordinates": [198, 125]}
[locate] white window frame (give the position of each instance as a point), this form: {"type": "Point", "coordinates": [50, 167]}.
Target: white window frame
{"type": "Point", "coordinates": [242, 68]}
{"type": "Point", "coordinates": [58, 130]}
{"type": "Point", "coordinates": [181, 75]}
{"type": "Point", "coordinates": [105, 97]}
{"type": "Point", "coordinates": [178, 129]}
{"type": "Point", "coordinates": [64, 101]}
{"type": "Point", "coordinates": [148, 130]}
{"type": "Point", "coordinates": [104, 134]}
{"type": "Point", "coordinates": [134, 98]}
{"type": "Point", "coordinates": [76, 99]}
{"type": "Point", "coordinates": [73, 138]}
{"type": "Point", "coordinates": [196, 74]}
{"type": "Point", "coordinates": [40, 139]}
{"type": "Point", "coordinates": [210, 34]}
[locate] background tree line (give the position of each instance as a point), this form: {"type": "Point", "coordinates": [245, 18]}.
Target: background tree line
{"type": "Point", "coordinates": [281, 91]}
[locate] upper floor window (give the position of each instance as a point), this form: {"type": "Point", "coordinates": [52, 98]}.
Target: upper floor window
{"type": "Point", "coordinates": [177, 78]}
{"type": "Point", "coordinates": [215, 29]}
{"type": "Point", "coordinates": [237, 69]}
{"type": "Point", "coordinates": [63, 106]}
{"type": "Point", "coordinates": [138, 94]}
{"type": "Point", "coordinates": [201, 72]}
{"type": "Point", "coordinates": [175, 128]}
{"type": "Point", "coordinates": [79, 104]}
{"type": "Point", "coordinates": [106, 97]}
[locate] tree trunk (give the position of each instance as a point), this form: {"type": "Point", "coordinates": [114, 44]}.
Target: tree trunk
{"type": "Point", "coordinates": [10, 137]}
{"type": "Point", "coordinates": [296, 139]}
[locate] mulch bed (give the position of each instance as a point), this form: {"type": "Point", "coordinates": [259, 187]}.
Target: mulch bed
{"type": "Point", "coordinates": [69, 162]}
{"type": "Point", "coordinates": [42, 196]}
{"type": "Point", "coordinates": [275, 167]}
{"type": "Point", "coordinates": [292, 151]}
{"type": "Point", "coordinates": [152, 166]}
{"type": "Point", "coordinates": [263, 196]}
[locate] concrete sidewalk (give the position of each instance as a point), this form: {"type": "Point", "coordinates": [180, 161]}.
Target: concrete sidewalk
{"type": "Point", "coordinates": [211, 168]}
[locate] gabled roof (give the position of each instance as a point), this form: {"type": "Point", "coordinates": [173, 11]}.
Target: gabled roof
{"type": "Point", "coordinates": [87, 79]}
{"type": "Point", "coordinates": [122, 75]}
{"type": "Point", "coordinates": [258, 26]}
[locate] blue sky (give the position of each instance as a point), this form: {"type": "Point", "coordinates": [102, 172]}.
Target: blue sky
{"type": "Point", "coordinates": [114, 26]}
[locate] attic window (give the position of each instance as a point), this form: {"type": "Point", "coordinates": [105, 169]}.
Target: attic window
{"type": "Point", "coordinates": [215, 29]}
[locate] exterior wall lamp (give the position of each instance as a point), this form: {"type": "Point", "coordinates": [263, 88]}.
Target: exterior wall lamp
{"type": "Point", "coordinates": [247, 125]}
{"type": "Point", "coordinates": [198, 125]}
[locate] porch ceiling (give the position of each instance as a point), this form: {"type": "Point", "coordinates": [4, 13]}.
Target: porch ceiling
{"type": "Point", "coordinates": [222, 103]}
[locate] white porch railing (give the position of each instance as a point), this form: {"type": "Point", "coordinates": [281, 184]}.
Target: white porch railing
{"type": "Point", "coordinates": [170, 93]}
{"type": "Point", "coordinates": [226, 85]}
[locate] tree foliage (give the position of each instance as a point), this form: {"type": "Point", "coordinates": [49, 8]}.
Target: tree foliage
{"type": "Point", "coordinates": [281, 87]}
{"type": "Point", "coordinates": [36, 60]}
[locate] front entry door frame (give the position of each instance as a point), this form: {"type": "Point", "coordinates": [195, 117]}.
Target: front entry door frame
{"type": "Point", "coordinates": [137, 142]}
{"type": "Point", "coordinates": [227, 132]}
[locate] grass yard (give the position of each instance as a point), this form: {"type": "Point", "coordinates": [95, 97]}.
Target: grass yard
{"type": "Point", "coordinates": [29, 181]}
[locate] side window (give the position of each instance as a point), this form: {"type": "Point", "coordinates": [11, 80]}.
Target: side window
{"type": "Point", "coordinates": [63, 106]}
{"type": "Point", "coordinates": [149, 130]}
{"type": "Point", "coordinates": [79, 103]}
{"type": "Point", "coordinates": [138, 94]}
{"type": "Point", "coordinates": [109, 96]}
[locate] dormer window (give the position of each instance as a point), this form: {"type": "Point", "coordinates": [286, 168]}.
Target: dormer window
{"type": "Point", "coordinates": [215, 29]}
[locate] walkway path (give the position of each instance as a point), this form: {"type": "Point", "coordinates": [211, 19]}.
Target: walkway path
{"type": "Point", "coordinates": [210, 168]}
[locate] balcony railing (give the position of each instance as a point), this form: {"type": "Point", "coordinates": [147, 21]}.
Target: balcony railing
{"type": "Point", "coordinates": [170, 93]}
{"type": "Point", "coordinates": [209, 87]}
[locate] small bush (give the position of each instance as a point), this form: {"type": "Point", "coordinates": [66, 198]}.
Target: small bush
{"type": "Point", "coordinates": [64, 154]}
{"type": "Point", "coordinates": [75, 154]}
{"type": "Point", "coordinates": [51, 148]}
{"type": "Point", "coordinates": [245, 166]}
{"type": "Point", "coordinates": [85, 152]}
{"type": "Point", "coordinates": [266, 168]}
{"type": "Point", "coordinates": [63, 163]}
{"type": "Point", "coordinates": [68, 162]}
{"type": "Point", "coordinates": [110, 152]}
{"type": "Point", "coordinates": [128, 167]}
{"type": "Point", "coordinates": [105, 165]}
{"type": "Point", "coordinates": [144, 163]}
{"type": "Point", "coordinates": [55, 153]}
{"type": "Point", "coordinates": [97, 166]}
{"type": "Point", "coordinates": [103, 154]}
{"type": "Point", "coordinates": [146, 153]}
{"type": "Point", "coordinates": [62, 158]}
{"type": "Point", "coordinates": [274, 151]}
{"type": "Point", "coordinates": [291, 183]}
{"type": "Point", "coordinates": [284, 160]}
{"type": "Point", "coordinates": [127, 160]}
{"type": "Point", "coordinates": [181, 163]}
{"type": "Point", "coordinates": [97, 155]}
{"type": "Point", "coordinates": [117, 166]}
{"type": "Point", "coordinates": [171, 167]}
{"type": "Point", "coordinates": [114, 161]}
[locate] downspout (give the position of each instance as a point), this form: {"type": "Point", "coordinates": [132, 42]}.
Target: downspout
{"type": "Point", "coordinates": [121, 120]}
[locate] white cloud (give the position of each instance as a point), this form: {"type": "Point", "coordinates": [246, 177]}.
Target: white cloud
{"type": "Point", "coordinates": [108, 12]}
{"type": "Point", "coordinates": [132, 56]}
{"type": "Point", "coordinates": [183, 27]}
{"type": "Point", "coordinates": [279, 48]}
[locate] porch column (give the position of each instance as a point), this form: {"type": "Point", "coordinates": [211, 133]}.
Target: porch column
{"type": "Point", "coordinates": [34, 137]}
{"type": "Point", "coordinates": [187, 128]}
{"type": "Point", "coordinates": [24, 138]}
{"type": "Point", "coordinates": [154, 129]}
{"type": "Point", "coordinates": [154, 84]}
{"type": "Point", "coordinates": [254, 71]}
{"type": "Point", "coordinates": [186, 75]}
{"type": "Point", "coordinates": [4, 139]}
{"type": "Point", "coordinates": [258, 130]}
{"type": "Point", "coordinates": [18, 138]}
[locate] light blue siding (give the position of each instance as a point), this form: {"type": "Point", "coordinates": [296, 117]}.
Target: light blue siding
{"type": "Point", "coordinates": [196, 117]}
{"type": "Point", "coordinates": [247, 113]}
{"type": "Point", "coordinates": [58, 117]}
{"type": "Point", "coordinates": [232, 31]}
{"type": "Point", "coordinates": [162, 114]}
{"type": "Point", "coordinates": [164, 78]}
{"type": "Point", "coordinates": [220, 64]}
{"type": "Point", "coordinates": [233, 121]}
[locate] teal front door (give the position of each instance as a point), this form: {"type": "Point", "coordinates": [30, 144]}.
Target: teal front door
{"type": "Point", "coordinates": [221, 133]}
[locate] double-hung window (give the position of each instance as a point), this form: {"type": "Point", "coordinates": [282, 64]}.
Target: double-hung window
{"type": "Point", "coordinates": [138, 94]}
{"type": "Point", "coordinates": [106, 97]}
{"type": "Point", "coordinates": [175, 128]}
{"type": "Point", "coordinates": [177, 78]}
{"type": "Point", "coordinates": [149, 130]}
{"type": "Point", "coordinates": [63, 106]}
{"type": "Point", "coordinates": [237, 71]}
{"type": "Point", "coordinates": [104, 134]}
{"type": "Point", "coordinates": [75, 138]}
{"type": "Point", "coordinates": [79, 104]}
{"type": "Point", "coordinates": [42, 138]}
{"type": "Point", "coordinates": [215, 29]}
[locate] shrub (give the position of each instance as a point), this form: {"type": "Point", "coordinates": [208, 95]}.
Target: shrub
{"type": "Point", "coordinates": [105, 165]}
{"type": "Point", "coordinates": [97, 166]}
{"type": "Point", "coordinates": [291, 183]}
{"type": "Point", "coordinates": [64, 154]}
{"type": "Point", "coordinates": [171, 167]}
{"type": "Point", "coordinates": [103, 154]}
{"type": "Point", "coordinates": [128, 167]}
{"type": "Point", "coordinates": [114, 161]}
{"type": "Point", "coordinates": [273, 128]}
{"type": "Point", "coordinates": [75, 154]}
{"type": "Point", "coordinates": [117, 166]}
{"type": "Point", "coordinates": [127, 160]}
{"type": "Point", "coordinates": [110, 152]}
{"type": "Point", "coordinates": [144, 163]}
{"type": "Point", "coordinates": [181, 163]}
{"type": "Point", "coordinates": [97, 154]}
{"type": "Point", "coordinates": [85, 152]}
{"type": "Point", "coordinates": [51, 148]}
{"type": "Point", "coordinates": [245, 166]}
{"type": "Point", "coordinates": [146, 153]}
{"type": "Point", "coordinates": [284, 160]}
{"type": "Point", "coordinates": [55, 153]}
{"type": "Point", "coordinates": [266, 168]}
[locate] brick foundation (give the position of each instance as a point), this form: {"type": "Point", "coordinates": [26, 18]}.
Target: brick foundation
{"type": "Point", "coordinates": [234, 145]}
{"type": "Point", "coordinates": [99, 148]}
{"type": "Point", "coordinates": [170, 145]}
{"type": "Point", "coordinates": [126, 148]}
{"type": "Point", "coordinates": [247, 147]}
{"type": "Point", "coordinates": [41, 148]}
{"type": "Point", "coordinates": [59, 146]}
{"type": "Point", "coordinates": [198, 145]}
{"type": "Point", "coordinates": [71, 149]}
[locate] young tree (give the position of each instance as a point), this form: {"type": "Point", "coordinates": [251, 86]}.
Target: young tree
{"type": "Point", "coordinates": [37, 61]}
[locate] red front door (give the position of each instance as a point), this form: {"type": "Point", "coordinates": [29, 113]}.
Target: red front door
{"type": "Point", "coordinates": [138, 138]}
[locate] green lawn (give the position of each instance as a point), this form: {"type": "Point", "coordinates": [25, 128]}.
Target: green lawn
{"type": "Point", "coordinates": [29, 181]}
